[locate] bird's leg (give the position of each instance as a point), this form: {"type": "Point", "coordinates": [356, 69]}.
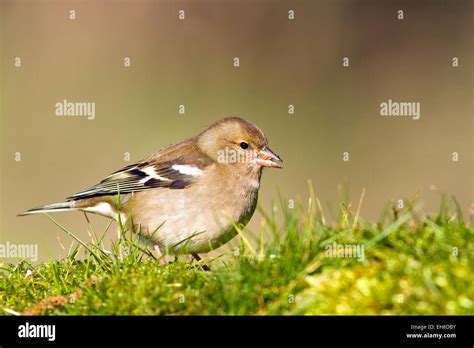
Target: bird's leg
{"type": "Point", "coordinates": [159, 255]}
{"type": "Point", "coordinates": [198, 258]}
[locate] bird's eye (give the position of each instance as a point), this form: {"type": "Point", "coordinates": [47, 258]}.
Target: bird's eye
{"type": "Point", "coordinates": [244, 145]}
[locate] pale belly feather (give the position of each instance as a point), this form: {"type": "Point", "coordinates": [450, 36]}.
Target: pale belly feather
{"type": "Point", "coordinates": [196, 222]}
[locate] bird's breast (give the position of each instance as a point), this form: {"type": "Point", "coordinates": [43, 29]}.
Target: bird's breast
{"type": "Point", "coordinates": [199, 218]}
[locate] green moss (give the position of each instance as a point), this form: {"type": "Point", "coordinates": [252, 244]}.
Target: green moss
{"type": "Point", "coordinates": [411, 265]}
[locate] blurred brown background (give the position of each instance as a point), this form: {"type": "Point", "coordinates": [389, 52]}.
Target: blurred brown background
{"type": "Point", "coordinates": [190, 62]}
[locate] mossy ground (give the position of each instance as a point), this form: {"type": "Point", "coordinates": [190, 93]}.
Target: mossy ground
{"type": "Point", "coordinates": [411, 265]}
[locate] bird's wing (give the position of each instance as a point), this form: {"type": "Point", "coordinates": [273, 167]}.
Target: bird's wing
{"type": "Point", "coordinates": [159, 170]}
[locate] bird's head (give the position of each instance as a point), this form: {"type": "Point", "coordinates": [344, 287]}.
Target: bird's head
{"type": "Point", "coordinates": [235, 141]}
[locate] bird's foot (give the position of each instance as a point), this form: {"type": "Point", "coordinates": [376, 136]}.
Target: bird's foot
{"type": "Point", "coordinates": [159, 255]}
{"type": "Point", "coordinates": [204, 267]}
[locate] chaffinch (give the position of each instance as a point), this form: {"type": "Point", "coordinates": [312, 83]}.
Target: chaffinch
{"type": "Point", "coordinates": [189, 196]}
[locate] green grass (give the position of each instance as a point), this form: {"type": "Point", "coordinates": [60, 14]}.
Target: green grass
{"type": "Point", "coordinates": [413, 264]}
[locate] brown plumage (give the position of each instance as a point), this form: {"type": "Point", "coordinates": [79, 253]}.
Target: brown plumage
{"type": "Point", "coordinates": [189, 196]}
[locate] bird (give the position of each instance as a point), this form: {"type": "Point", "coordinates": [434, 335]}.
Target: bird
{"type": "Point", "coordinates": [190, 197]}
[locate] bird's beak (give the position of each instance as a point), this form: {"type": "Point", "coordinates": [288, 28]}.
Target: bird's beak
{"type": "Point", "coordinates": [268, 158]}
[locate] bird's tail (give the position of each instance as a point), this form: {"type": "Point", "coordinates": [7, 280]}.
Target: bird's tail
{"type": "Point", "coordinates": [51, 208]}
